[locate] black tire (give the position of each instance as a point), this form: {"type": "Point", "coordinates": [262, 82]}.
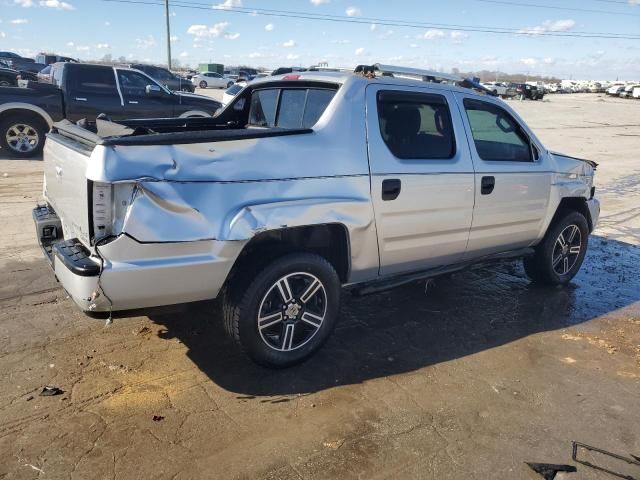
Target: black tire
{"type": "Point", "coordinates": [203, 84]}
{"type": "Point", "coordinates": [553, 264]}
{"type": "Point", "coordinates": [245, 298]}
{"type": "Point", "coordinates": [229, 84]}
{"type": "Point", "coordinates": [28, 123]}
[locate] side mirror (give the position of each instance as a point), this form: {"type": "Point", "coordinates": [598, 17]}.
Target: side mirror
{"type": "Point", "coordinates": [153, 91]}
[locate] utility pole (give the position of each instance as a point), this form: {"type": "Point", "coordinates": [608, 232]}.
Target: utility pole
{"type": "Point", "coordinates": [166, 16]}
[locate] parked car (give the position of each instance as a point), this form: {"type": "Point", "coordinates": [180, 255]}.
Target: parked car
{"type": "Point", "coordinates": [615, 90]}
{"type": "Point", "coordinates": [628, 91]}
{"type": "Point", "coordinates": [21, 63]}
{"type": "Point", "coordinates": [166, 78]}
{"type": "Point", "coordinates": [211, 79]}
{"type": "Point", "coordinates": [302, 185]}
{"type": "Point", "coordinates": [84, 91]}
{"type": "Point", "coordinates": [49, 58]}
{"type": "Point", "coordinates": [8, 76]}
{"type": "Point", "coordinates": [500, 89]}
{"type": "Point", "coordinates": [524, 91]}
{"type": "Point", "coordinates": [232, 91]}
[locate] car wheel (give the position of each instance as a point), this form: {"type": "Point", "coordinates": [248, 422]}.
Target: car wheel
{"type": "Point", "coordinates": [202, 84]}
{"type": "Point", "coordinates": [23, 135]}
{"type": "Point", "coordinates": [229, 85]}
{"type": "Point", "coordinates": [559, 256]}
{"type": "Point", "coordinates": [284, 314]}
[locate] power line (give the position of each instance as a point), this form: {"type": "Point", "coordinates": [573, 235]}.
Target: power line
{"type": "Point", "coordinates": [381, 21]}
{"type": "Point", "coordinates": [554, 7]}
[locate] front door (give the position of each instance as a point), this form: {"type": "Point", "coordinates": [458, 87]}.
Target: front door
{"type": "Point", "coordinates": [90, 91]}
{"type": "Point", "coordinates": [422, 179]}
{"type": "Point", "coordinates": [513, 178]}
{"type": "Point", "coordinates": [137, 104]}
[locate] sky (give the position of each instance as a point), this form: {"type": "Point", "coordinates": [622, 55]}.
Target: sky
{"type": "Point", "coordinates": [214, 32]}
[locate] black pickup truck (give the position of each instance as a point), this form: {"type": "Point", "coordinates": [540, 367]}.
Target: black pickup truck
{"type": "Point", "coordinates": [84, 91]}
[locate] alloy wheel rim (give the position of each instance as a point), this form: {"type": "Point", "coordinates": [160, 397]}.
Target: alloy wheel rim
{"type": "Point", "coordinates": [22, 138]}
{"type": "Point", "coordinates": [292, 311]}
{"type": "Point", "coordinates": [566, 250]}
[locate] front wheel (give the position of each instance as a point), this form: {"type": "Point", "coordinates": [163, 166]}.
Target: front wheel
{"type": "Point", "coordinates": [22, 135]}
{"type": "Point", "coordinates": [286, 312]}
{"type": "Point", "coordinates": [559, 256]}
{"type": "Point", "coordinates": [202, 84]}
{"type": "Point", "coordinates": [229, 84]}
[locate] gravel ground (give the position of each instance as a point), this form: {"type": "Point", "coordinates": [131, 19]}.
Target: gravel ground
{"type": "Point", "coordinates": [469, 378]}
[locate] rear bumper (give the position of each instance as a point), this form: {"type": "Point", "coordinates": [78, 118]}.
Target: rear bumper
{"type": "Point", "coordinates": [128, 274]}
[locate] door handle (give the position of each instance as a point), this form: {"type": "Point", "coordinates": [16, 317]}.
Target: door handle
{"type": "Point", "coordinates": [81, 99]}
{"type": "Point", "coordinates": [132, 102]}
{"type": "Point", "coordinates": [391, 189]}
{"type": "Point", "coordinates": [487, 185]}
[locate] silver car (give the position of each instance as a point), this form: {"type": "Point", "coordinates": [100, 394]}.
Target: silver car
{"type": "Point", "coordinates": [304, 184]}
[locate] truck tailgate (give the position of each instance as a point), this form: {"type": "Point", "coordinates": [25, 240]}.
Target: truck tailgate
{"type": "Point", "coordinates": [66, 186]}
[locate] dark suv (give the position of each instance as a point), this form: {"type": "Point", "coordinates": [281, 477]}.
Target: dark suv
{"type": "Point", "coordinates": [166, 78]}
{"type": "Point", "coordinates": [524, 91]}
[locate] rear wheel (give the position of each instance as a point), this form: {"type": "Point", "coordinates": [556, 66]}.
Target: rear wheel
{"type": "Point", "coordinates": [22, 135]}
{"type": "Point", "coordinates": [559, 256]}
{"type": "Point", "coordinates": [285, 313]}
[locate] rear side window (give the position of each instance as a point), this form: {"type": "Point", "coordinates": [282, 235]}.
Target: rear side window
{"type": "Point", "coordinates": [95, 80]}
{"type": "Point", "coordinates": [496, 134]}
{"type": "Point", "coordinates": [288, 107]}
{"type": "Point", "coordinates": [416, 125]}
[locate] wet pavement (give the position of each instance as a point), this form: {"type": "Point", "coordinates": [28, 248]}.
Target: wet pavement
{"type": "Point", "coordinates": [468, 376]}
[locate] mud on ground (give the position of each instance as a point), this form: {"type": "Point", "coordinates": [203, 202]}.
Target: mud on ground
{"type": "Point", "coordinates": [469, 378]}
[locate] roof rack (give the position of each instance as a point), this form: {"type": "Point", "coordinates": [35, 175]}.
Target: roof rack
{"type": "Point", "coordinates": [421, 75]}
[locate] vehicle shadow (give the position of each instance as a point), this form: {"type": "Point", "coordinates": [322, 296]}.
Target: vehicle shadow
{"type": "Point", "coordinates": [409, 328]}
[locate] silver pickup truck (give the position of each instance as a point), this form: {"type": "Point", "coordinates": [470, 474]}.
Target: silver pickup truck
{"type": "Point", "coordinates": [303, 184]}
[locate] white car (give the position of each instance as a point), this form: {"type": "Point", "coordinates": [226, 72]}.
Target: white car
{"type": "Point", "coordinates": [636, 92]}
{"type": "Point", "coordinates": [211, 79]}
{"type": "Point", "coordinates": [231, 92]}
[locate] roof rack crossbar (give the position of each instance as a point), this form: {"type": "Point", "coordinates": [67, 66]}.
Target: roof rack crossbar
{"type": "Point", "coordinates": [421, 75]}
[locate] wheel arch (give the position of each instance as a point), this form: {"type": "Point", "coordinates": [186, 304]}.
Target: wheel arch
{"type": "Point", "coordinates": [578, 204]}
{"type": "Point", "coordinates": [329, 240]}
{"type": "Point", "coordinates": [194, 113]}
{"type": "Point", "coordinates": [11, 108]}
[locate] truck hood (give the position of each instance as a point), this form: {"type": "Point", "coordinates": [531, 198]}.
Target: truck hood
{"type": "Point", "coordinates": [568, 160]}
{"type": "Point", "coordinates": [201, 101]}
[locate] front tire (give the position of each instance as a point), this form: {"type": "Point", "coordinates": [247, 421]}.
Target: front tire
{"type": "Point", "coordinates": [202, 84]}
{"type": "Point", "coordinates": [229, 85]}
{"type": "Point", "coordinates": [559, 256]}
{"type": "Point", "coordinates": [23, 135]}
{"type": "Point", "coordinates": [284, 314]}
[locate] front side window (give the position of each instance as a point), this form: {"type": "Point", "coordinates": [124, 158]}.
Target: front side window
{"type": "Point", "coordinates": [496, 134]}
{"type": "Point", "coordinates": [288, 107]}
{"type": "Point", "coordinates": [416, 125]}
{"type": "Point", "coordinates": [133, 84]}
{"type": "Point", "coordinates": [98, 80]}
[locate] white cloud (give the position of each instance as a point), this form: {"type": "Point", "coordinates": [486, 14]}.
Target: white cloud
{"type": "Point", "coordinates": [145, 43]}
{"type": "Point", "coordinates": [107, 23]}
{"type": "Point", "coordinates": [458, 37]}
{"type": "Point", "coordinates": [269, 27]}
{"type": "Point", "coordinates": [184, 54]}
{"type": "Point", "coordinates": [373, 27]}
{"type": "Point", "coordinates": [24, 3]}
{"type": "Point", "coordinates": [292, 56]}
{"type": "Point", "coordinates": [413, 45]}
{"type": "Point", "coordinates": [341, 42]}
{"type": "Point", "coordinates": [2, 34]}
{"type": "Point", "coordinates": [319, 2]}
{"type": "Point", "coordinates": [82, 48]}
{"type": "Point", "coordinates": [255, 55]}
{"type": "Point", "coordinates": [549, 26]}
{"type": "Point", "coordinates": [19, 21]}
{"type": "Point", "coordinates": [228, 4]}
{"type": "Point", "coordinates": [57, 4]}
{"type": "Point", "coordinates": [633, 3]}
{"type": "Point", "coordinates": [529, 62]}
{"type": "Point", "coordinates": [70, 44]}
{"type": "Point", "coordinates": [203, 31]}
{"type": "Point", "coordinates": [174, 38]}
{"type": "Point", "coordinates": [289, 44]}
{"type": "Point", "coordinates": [549, 61]}
{"type": "Point", "coordinates": [431, 35]}
{"type": "Point", "coordinates": [353, 12]}
{"type": "Point", "coordinates": [231, 36]}
{"type": "Point", "coordinates": [102, 45]}
{"type": "Point", "coordinates": [361, 51]}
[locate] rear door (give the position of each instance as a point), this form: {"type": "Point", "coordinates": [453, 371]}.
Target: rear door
{"type": "Point", "coordinates": [137, 104]}
{"type": "Point", "coordinates": [422, 179]}
{"type": "Point", "coordinates": [513, 178]}
{"type": "Point", "coordinates": [89, 91]}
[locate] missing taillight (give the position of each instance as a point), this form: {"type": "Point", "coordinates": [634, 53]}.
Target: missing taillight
{"type": "Point", "coordinates": [102, 210]}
